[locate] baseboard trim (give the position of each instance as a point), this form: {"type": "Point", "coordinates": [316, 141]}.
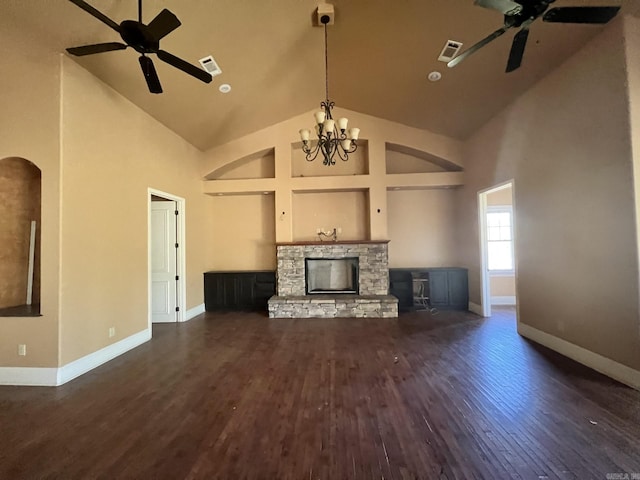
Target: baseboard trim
{"type": "Point", "coordinates": [194, 312]}
{"type": "Point", "coordinates": [52, 377]}
{"type": "Point", "coordinates": [89, 362]}
{"type": "Point", "coordinates": [475, 308]}
{"type": "Point", "coordinates": [604, 365]}
{"type": "Point", "coordinates": [29, 376]}
{"type": "Point", "coordinates": [503, 300]}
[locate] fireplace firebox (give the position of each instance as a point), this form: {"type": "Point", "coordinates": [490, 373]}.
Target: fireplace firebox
{"type": "Point", "coordinates": [331, 275]}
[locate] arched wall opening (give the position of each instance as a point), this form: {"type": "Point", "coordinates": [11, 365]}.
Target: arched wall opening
{"type": "Point", "coordinates": [20, 220]}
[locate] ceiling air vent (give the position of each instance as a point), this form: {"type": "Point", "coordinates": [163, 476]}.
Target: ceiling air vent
{"type": "Point", "coordinates": [210, 65]}
{"type": "Point", "coordinates": [450, 50]}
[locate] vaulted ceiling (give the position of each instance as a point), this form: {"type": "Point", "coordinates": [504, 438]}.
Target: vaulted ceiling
{"type": "Point", "coordinates": [272, 55]}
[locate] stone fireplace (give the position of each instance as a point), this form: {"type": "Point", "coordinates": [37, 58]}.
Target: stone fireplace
{"type": "Point", "coordinates": [331, 275]}
{"type": "Point", "coordinates": [350, 279]}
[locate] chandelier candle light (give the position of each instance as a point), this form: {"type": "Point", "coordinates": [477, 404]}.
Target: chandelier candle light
{"type": "Point", "coordinates": [333, 137]}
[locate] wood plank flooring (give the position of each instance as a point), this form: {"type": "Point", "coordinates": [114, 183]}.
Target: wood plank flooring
{"type": "Point", "coordinates": [239, 396]}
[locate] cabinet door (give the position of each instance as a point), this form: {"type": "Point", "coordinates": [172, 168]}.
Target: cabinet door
{"type": "Point", "coordinates": [244, 298]}
{"type": "Point", "coordinates": [458, 289]}
{"type": "Point", "coordinates": [265, 288]}
{"type": "Point", "coordinates": [215, 291]}
{"type": "Point", "coordinates": [401, 287]}
{"type": "Point", "coordinates": [438, 288]}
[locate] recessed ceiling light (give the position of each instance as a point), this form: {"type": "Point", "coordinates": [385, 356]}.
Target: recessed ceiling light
{"type": "Point", "coordinates": [225, 88]}
{"type": "Point", "coordinates": [434, 76]}
{"type": "Point", "coordinates": [265, 193]}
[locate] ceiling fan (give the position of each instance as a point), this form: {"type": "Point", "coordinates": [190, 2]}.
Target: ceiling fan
{"type": "Point", "coordinates": [144, 39]}
{"type": "Point", "coordinates": [523, 13]}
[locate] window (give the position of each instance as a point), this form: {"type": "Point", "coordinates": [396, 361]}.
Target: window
{"type": "Point", "coordinates": [500, 239]}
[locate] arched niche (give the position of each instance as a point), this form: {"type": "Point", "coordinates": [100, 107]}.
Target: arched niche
{"type": "Point", "coordinates": [20, 215]}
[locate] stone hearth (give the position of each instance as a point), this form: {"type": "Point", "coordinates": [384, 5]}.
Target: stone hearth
{"type": "Point", "coordinates": [373, 282]}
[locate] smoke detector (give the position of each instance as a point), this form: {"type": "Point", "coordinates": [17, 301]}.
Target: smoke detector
{"type": "Point", "coordinates": [210, 66]}
{"type": "Point", "coordinates": [450, 50]}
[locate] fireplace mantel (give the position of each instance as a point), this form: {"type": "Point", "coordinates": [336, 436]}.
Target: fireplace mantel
{"type": "Point", "coordinates": [330, 243]}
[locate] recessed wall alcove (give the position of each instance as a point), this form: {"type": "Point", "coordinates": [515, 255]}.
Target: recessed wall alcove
{"type": "Point", "coordinates": [344, 210]}
{"type": "Point", "coordinates": [403, 159]}
{"type": "Point", "coordinates": [20, 203]}
{"type": "Point", "coordinates": [358, 163]}
{"type": "Point", "coordinates": [260, 164]}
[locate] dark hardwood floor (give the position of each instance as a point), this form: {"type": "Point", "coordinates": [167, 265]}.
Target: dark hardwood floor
{"type": "Point", "coordinates": [239, 396]}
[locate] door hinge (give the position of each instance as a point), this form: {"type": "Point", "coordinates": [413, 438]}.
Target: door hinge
{"type": "Point", "coordinates": [177, 309]}
{"type": "Point", "coordinates": [176, 212]}
{"type": "Point", "coordinates": [177, 277]}
{"type": "Point", "coordinates": [176, 245]}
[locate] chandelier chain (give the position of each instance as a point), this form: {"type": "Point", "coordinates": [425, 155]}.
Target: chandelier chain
{"type": "Point", "coordinates": [334, 139]}
{"type": "Point", "coordinates": [326, 64]}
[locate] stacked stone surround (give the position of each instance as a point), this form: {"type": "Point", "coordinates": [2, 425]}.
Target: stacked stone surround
{"type": "Point", "coordinates": [373, 299]}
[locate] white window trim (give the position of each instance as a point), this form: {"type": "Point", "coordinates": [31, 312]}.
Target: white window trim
{"type": "Point", "coordinates": [501, 209]}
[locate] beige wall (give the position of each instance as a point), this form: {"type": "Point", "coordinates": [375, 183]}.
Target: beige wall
{"type": "Point", "coordinates": [421, 228]}
{"type": "Point", "coordinates": [500, 197]}
{"type": "Point", "coordinates": [29, 128]}
{"type": "Point", "coordinates": [398, 162]}
{"type": "Point", "coordinates": [351, 195]}
{"type": "Point", "coordinates": [112, 152]}
{"type": "Point", "coordinates": [632, 46]}
{"type": "Point", "coordinates": [261, 167]}
{"type": "Point", "coordinates": [346, 211]}
{"type": "Point", "coordinates": [241, 233]}
{"type": "Point", "coordinates": [20, 203]}
{"type": "Point", "coordinates": [566, 143]}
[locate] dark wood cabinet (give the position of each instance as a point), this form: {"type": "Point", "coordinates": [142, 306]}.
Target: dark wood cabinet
{"type": "Point", "coordinates": [238, 290]}
{"type": "Point", "coordinates": [446, 288]}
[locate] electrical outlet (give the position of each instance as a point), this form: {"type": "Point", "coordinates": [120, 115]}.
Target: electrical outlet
{"type": "Point", "coordinates": [339, 230]}
{"type": "Point", "coordinates": [22, 349]}
{"type": "Point", "coordinates": [318, 230]}
{"type": "Point", "coordinates": [112, 332]}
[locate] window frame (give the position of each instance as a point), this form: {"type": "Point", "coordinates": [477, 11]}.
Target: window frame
{"type": "Point", "coordinates": [501, 209]}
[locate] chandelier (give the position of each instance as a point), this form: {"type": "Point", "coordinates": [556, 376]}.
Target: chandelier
{"type": "Point", "coordinates": [333, 137]}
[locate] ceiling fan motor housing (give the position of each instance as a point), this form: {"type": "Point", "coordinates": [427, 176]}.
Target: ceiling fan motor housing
{"type": "Point", "coordinates": [138, 36]}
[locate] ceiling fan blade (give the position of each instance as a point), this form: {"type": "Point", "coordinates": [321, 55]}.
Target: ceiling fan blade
{"type": "Point", "coordinates": [97, 48]}
{"type": "Point", "coordinates": [506, 7]}
{"type": "Point", "coordinates": [96, 13]}
{"type": "Point", "coordinates": [478, 46]}
{"type": "Point", "coordinates": [164, 23]}
{"type": "Point", "coordinates": [150, 75]}
{"type": "Point", "coordinates": [517, 49]}
{"type": "Point", "coordinates": [184, 66]}
{"type": "Point", "coordinates": [580, 14]}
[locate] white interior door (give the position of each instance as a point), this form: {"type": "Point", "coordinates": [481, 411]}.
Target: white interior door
{"type": "Point", "coordinates": [163, 262]}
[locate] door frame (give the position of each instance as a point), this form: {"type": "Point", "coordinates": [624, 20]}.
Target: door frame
{"type": "Point", "coordinates": [181, 288]}
{"type": "Point", "coordinates": [485, 278]}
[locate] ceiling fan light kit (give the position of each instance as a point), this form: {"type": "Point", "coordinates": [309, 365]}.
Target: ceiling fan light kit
{"type": "Point", "coordinates": [334, 138]}
{"type": "Point", "coordinates": [523, 13]}
{"type": "Point", "coordinates": [144, 39]}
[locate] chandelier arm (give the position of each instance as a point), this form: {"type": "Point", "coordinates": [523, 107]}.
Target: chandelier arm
{"type": "Point", "coordinates": [312, 154]}
{"type": "Point", "coordinates": [342, 153]}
